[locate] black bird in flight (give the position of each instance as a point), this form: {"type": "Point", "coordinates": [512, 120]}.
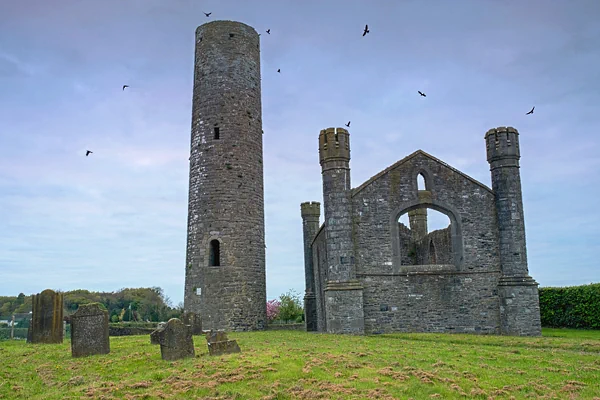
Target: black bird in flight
{"type": "Point", "coordinates": [269, 31]}
{"type": "Point", "coordinates": [87, 153]}
{"type": "Point", "coordinates": [421, 93]}
{"type": "Point", "coordinates": [208, 14]}
{"type": "Point", "coordinates": [366, 30]}
{"type": "Point", "coordinates": [531, 112]}
{"type": "Point", "coordinates": [279, 70]}
{"type": "Point", "coordinates": [124, 86]}
{"type": "Point", "coordinates": [348, 124]}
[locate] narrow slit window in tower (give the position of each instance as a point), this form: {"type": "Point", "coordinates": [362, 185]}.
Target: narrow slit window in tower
{"type": "Point", "coordinates": [215, 254]}
{"type": "Point", "coordinates": [216, 132]}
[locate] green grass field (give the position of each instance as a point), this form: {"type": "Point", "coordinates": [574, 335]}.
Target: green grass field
{"type": "Point", "coordinates": [563, 364]}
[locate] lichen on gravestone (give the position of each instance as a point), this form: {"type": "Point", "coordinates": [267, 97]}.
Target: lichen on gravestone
{"type": "Point", "coordinates": [89, 330]}
{"type": "Point", "coordinates": [176, 341]}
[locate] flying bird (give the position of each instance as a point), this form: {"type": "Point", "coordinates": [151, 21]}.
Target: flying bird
{"type": "Point", "coordinates": [348, 124]}
{"type": "Point", "coordinates": [124, 86]}
{"type": "Point", "coordinates": [87, 153]}
{"type": "Point", "coordinates": [208, 14]}
{"type": "Point", "coordinates": [279, 70]}
{"type": "Point", "coordinates": [269, 31]}
{"type": "Point", "coordinates": [531, 112]}
{"type": "Point", "coordinates": [366, 30]}
{"type": "Point", "coordinates": [421, 93]}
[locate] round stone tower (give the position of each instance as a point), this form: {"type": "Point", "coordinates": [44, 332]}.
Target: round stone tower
{"type": "Point", "coordinates": [225, 264]}
{"type": "Point", "coordinates": [519, 301]}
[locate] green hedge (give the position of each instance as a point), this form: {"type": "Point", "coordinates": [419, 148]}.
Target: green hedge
{"type": "Point", "coordinates": [131, 328]}
{"type": "Point", "coordinates": [571, 307]}
{"type": "Point", "coordinates": [20, 333]}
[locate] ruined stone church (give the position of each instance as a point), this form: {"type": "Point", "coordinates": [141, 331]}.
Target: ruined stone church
{"type": "Point", "coordinates": [367, 272]}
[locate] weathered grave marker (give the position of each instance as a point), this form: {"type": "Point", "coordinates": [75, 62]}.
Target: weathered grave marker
{"type": "Point", "coordinates": [89, 330]}
{"type": "Point", "coordinates": [46, 324]}
{"type": "Point", "coordinates": [194, 320]}
{"type": "Point", "coordinates": [176, 340]}
{"type": "Point", "coordinates": [218, 344]}
{"type": "Point", "coordinates": [154, 338]}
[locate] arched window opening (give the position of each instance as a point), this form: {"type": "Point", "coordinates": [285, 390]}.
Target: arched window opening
{"type": "Point", "coordinates": [425, 237]}
{"type": "Point", "coordinates": [215, 254]}
{"type": "Point", "coordinates": [421, 182]}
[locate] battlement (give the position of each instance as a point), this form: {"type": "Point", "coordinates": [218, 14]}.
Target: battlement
{"type": "Point", "coordinates": [310, 209]}
{"type": "Point", "coordinates": [501, 143]}
{"type": "Point", "coordinates": [334, 144]}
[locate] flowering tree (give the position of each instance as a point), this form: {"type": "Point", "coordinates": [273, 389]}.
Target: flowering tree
{"type": "Point", "coordinates": [273, 309]}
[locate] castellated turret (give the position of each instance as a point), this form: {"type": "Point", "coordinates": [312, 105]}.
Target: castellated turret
{"type": "Point", "coordinates": [518, 291]}
{"type": "Point", "coordinates": [225, 264]}
{"type": "Point", "coordinates": [310, 212]}
{"type": "Point", "coordinates": [343, 293]}
{"type": "Point", "coordinates": [503, 155]}
{"type": "Point", "coordinates": [334, 154]}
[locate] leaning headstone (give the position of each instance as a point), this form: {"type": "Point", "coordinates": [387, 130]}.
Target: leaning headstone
{"type": "Point", "coordinates": [154, 338]}
{"type": "Point", "coordinates": [218, 344]}
{"type": "Point", "coordinates": [194, 320]}
{"type": "Point", "coordinates": [89, 330]}
{"type": "Point", "coordinates": [176, 340]}
{"type": "Point", "coordinates": [47, 318]}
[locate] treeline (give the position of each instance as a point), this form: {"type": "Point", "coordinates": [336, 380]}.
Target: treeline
{"type": "Point", "coordinates": [571, 307]}
{"type": "Point", "coordinates": [127, 304]}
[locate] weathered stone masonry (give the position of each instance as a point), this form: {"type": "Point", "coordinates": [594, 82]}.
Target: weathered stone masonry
{"type": "Point", "coordinates": [310, 211]}
{"type": "Point", "coordinates": [225, 262]}
{"type": "Point", "coordinates": [477, 278]}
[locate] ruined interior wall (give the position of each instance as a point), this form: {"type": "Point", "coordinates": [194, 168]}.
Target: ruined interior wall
{"type": "Point", "coordinates": [406, 244]}
{"type": "Point", "coordinates": [442, 243]}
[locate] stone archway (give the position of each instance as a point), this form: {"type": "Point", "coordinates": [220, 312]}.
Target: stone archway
{"type": "Point", "coordinates": [455, 229]}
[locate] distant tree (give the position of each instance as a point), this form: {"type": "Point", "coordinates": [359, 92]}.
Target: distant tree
{"type": "Point", "coordinates": [290, 309]}
{"type": "Point", "coordinates": [148, 304]}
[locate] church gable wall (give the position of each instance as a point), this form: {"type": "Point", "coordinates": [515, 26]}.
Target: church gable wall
{"type": "Point", "coordinates": [460, 296]}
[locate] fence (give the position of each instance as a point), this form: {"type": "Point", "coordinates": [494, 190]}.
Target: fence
{"type": "Point", "coordinates": [14, 326]}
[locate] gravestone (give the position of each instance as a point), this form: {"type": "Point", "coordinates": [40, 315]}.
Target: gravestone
{"type": "Point", "coordinates": [89, 330]}
{"type": "Point", "coordinates": [194, 320]}
{"type": "Point", "coordinates": [154, 339]}
{"type": "Point", "coordinates": [46, 324]}
{"type": "Point", "coordinates": [218, 344]}
{"type": "Point", "coordinates": [176, 341]}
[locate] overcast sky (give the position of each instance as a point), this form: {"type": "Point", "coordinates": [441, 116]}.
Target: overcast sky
{"type": "Point", "coordinates": [118, 217]}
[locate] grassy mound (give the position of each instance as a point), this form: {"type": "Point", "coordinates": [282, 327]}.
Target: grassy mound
{"type": "Point", "coordinates": [300, 365]}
